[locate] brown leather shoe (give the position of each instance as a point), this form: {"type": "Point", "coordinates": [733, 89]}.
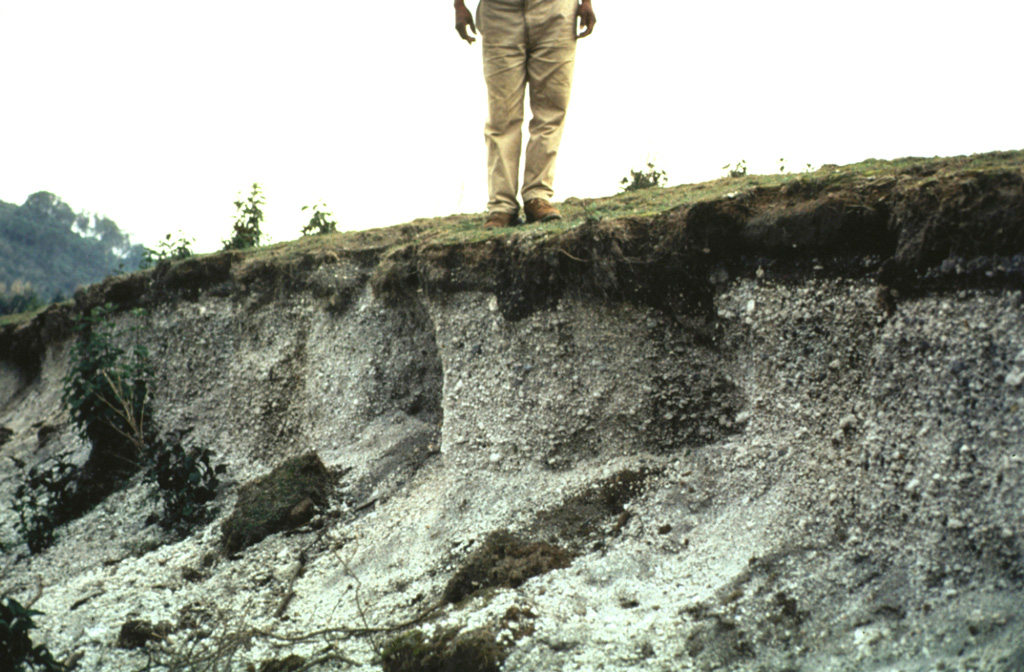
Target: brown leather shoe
{"type": "Point", "coordinates": [500, 220]}
{"type": "Point", "coordinates": [539, 210]}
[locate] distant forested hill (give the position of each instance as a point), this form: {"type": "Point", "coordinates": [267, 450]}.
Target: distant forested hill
{"type": "Point", "coordinates": [48, 250]}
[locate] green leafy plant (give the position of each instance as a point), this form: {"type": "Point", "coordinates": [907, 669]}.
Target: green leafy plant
{"type": "Point", "coordinates": [43, 501]}
{"type": "Point", "coordinates": [107, 393]}
{"type": "Point", "coordinates": [639, 179]}
{"type": "Point", "coordinates": [107, 388]}
{"type": "Point", "coordinates": [17, 651]}
{"type": "Point", "coordinates": [168, 249]}
{"type": "Point", "coordinates": [738, 169]}
{"type": "Point", "coordinates": [248, 220]}
{"type": "Point", "coordinates": [319, 222]}
{"type": "Point", "coordinates": [187, 481]}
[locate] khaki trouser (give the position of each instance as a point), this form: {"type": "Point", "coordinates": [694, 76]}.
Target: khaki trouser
{"type": "Point", "coordinates": [525, 42]}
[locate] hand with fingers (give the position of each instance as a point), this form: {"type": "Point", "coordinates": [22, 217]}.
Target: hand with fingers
{"type": "Point", "coordinates": [464, 20]}
{"type": "Point", "coordinates": [587, 18]}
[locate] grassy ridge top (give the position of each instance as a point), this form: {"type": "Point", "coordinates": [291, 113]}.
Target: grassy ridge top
{"type": "Point", "coordinates": [459, 229]}
{"type": "Point", "coordinates": [745, 196]}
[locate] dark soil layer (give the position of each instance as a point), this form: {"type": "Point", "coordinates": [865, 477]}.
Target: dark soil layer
{"type": "Point", "coordinates": [916, 225]}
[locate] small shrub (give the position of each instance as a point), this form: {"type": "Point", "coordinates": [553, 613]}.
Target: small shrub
{"type": "Point", "coordinates": [44, 501]}
{"type": "Point", "coordinates": [187, 481]}
{"type": "Point", "coordinates": [107, 387]}
{"type": "Point", "coordinates": [320, 222]}
{"type": "Point", "coordinates": [169, 250]}
{"type": "Point", "coordinates": [738, 169]}
{"type": "Point", "coordinates": [106, 392]}
{"type": "Point", "coordinates": [639, 179]}
{"type": "Point", "coordinates": [248, 220]}
{"type": "Point", "coordinates": [16, 649]}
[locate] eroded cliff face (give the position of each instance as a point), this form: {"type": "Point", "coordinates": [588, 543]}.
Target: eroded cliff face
{"type": "Point", "coordinates": [776, 430]}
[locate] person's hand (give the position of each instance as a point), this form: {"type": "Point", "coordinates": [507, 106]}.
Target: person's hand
{"type": "Point", "coordinates": [463, 20]}
{"type": "Point", "coordinates": [587, 18]}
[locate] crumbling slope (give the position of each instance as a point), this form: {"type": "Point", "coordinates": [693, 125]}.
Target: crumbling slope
{"type": "Point", "coordinates": [774, 426]}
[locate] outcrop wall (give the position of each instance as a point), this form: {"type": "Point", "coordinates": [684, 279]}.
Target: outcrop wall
{"type": "Point", "coordinates": [777, 430]}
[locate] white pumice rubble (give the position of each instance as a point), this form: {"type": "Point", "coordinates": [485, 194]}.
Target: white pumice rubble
{"type": "Point", "coordinates": [827, 487]}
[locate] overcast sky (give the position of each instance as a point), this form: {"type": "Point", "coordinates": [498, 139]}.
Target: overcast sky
{"type": "Point", "coordinates": [158, 114]}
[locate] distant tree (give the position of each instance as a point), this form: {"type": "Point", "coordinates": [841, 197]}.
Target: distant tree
{"type": "Point", "coordinates": [45, 243]}
{"type": "Point", "coordinates": [320, 222]}
{"type": "Point", "coordinates": [19, 298]}
{"type": "Point", "coordinates": [108, 234]}
{"type": "Point", "coordinates": [248, 218]}
{"type": "Point", "coordinates": [48, 207]}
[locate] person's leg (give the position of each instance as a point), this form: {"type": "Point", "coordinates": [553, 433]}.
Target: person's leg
{"type": "Point", "coordinates": [505, 73]}
{"type": "Point", "coordinates": [550, 69]}
{"type": "Point", "coordinates": [551, 36]}
{"type": "Point", "coordinates": [503, 31]}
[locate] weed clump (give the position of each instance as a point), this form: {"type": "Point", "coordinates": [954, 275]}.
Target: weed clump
{"type": "Point", "coordinates": [168, 249]}
{"type": "Point", "coordinates": [320, 222]}
{"type": "Point", "coordinates": [736, 170]}
{"type": "Point", "coordinates": [43, 501]}
{"type": "Point", "coordinates": [504, 560]}
{"type": "Point", "coordinates": [640, 179]}
{"type": "Point", "coordinates": [472, 651]}
{"type": "Point", "coordinates": [281, 500]}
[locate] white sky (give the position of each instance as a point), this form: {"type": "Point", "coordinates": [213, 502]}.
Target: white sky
{"type": "Point", "coordinates": [158, 114]}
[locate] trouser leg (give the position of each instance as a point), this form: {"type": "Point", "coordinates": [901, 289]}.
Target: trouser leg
{"type": "Point", "coordinates": [505, 74]}
{"type": "Point", "coordinates": [549, 73]}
